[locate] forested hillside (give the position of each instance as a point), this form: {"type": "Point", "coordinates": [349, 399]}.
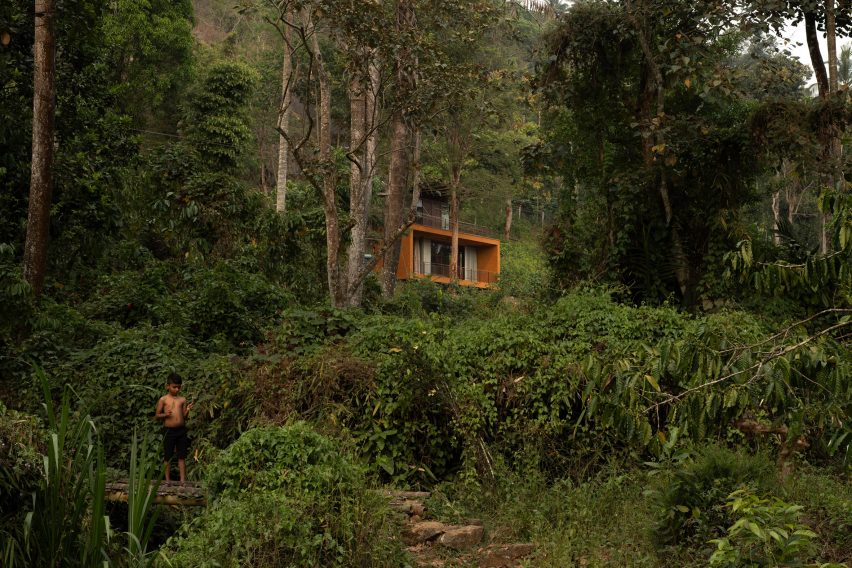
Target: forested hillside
{"type": "Point", "coordinates": [654, 371]}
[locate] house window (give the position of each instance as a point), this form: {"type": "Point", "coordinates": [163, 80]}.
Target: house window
{"type": "Point", "coordinates": [433, 258]}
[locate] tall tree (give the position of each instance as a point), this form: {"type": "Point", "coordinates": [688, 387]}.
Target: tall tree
{"type": "Point", "coordinates": [284, 113]}
{"type": "Point", "coordinates": [41, 181]}
{"type": "Point", "coordinates": [405, 65]}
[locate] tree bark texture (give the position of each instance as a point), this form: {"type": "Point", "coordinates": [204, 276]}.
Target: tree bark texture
{"type": "Point", "coordinates": [776, 216]}
{"type": "Point", "coordinates": [507, 227]}
{"type": "Point", "coordinates": [400, 165]}
{"type": "Point", "coordinates": [363, 140]}
{"type": "Point", "coordinates": [455, 181]}
{"type": "Point", "coordinates": [816, 56]}
{"type": "Point", "coordinates": [284, 122]}
{"type": "Point", "coordinates": [831, 45]}
{"type": "Point", "coordinates": [394, 200]}
{"type": "Point", "coordinates": [41, 180]}
{"type": "Point", "coordinates": [332, 223]}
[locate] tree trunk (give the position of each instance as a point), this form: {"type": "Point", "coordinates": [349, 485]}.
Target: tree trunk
{"type": "Point", "coordinates": [362, 97]}
{"type": "Point", "coordinates": [507, 227]}
{"type": "Point", "coordinates": [327, 170]}
{"type": "Point", "coordinates": [831, 45]}
{"type": "Point", "coordinates": [284, 122]}
{"type": "Point", "coordinates": [776, 216]}
{"type": "Point", "coordinates": [399, 168]}
{"type": "Point", "coordinates": [824, 88]}
{"type": "Point", "coordinates": [816, 56]}
{"type": "Point", "coordinates": [41, 180]}
{"type": "Point", "coordinates": [455, 180]}
{"type": "Point", "coordinates": [654, 93]}
{"type": "Point", "coordinates": [394, 201]}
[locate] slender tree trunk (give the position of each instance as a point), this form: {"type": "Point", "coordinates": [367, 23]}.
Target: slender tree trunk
{"type": "Point", "coordinates": [41, 180]}
{"type": "Point", "coordinates": [332, 223]}
{"type": "Point", "coordinates": [776, 216]}
{"type": "Point", "coordinates": [284, 122]}
{"type": "Point", "coordinates": [653, 92]}
{"type": "Point", "coordinates": [836, 180]}
{"type": "Point", "coordinates": [817, 63]}
{"type": "Point", "coordinates": [400, 165]}
{"type": "Point", "coordinates": [394, 201]}
{"type": "Point", "coordinates": [507, 227]}
{"type": "Point", "coordinates": [824, 88]}
{"type": "Point", "coordinates": [831, 45]}
{"type": "Point", "coordinates": [357, 125]}
{"type": "Point", "coordinates": [455, 181]}
{"type": "Point", "coordinates": [363, 143]}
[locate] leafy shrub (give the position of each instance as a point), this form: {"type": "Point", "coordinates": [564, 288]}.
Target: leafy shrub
{"type": "Point", "coordinates": [121, 377]}
{"type": "Point", "coordinates": [224, 302]}
{"type": "Point", "coordinates": [294, 457]}
{"type": "Point", "coordinates": [66, 525]}
{"type": "Point", "coordinates": [767, 532]}
{"type": "Point", "coordinates": [827, 501]}
{"type": "Point", "coordinates": [288, 496]}
{"type": "Point", "coordinates": [16, 301]}
{"type": "Point", "coordinates": [691, 501]}
{"type": "Point", "coordinates": [21, 443]}
{"type": "Point", "coordinates": [303, 331]}
{"type": "Point", "coordinates": [524, 272]}
{"type": "Point", "coordinates": [221, 302]}
{"type": "Point", "coordinates": [133, 296]}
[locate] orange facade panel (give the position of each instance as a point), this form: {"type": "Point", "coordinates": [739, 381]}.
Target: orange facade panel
{"type": "Point", "coordinates": [479, 256]}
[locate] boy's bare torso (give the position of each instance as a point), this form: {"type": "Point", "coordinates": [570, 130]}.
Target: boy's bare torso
{"type": "Point", "coordinates": [174, 407]}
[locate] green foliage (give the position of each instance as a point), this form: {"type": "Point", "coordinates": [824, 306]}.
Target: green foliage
{"type": "Point", "coordinates": [294, 457]}
{"type": "Point", "coordinates": [827, 501]}
{"type": "Point", "coordinates": [67, 524]}
{"type": "Point", "coordinates": [691, 499]}
{"type": "Point", "coordinates": [21, 447]}
{"type": "Point", "coordinates": [142, 486]}
{"type": "Point", "coordinates": [288, 496]}
{"type": "Point", "coordinates": [16, 302]}
{"type": "Point", "coordinates": [557, 388]}
{"type": "Point", "coordinates": [767, 532]}
{"type": "Point", "coordinates": [653, 142]}
{"type": "Point", "coordinates": [523, 271]}
{"type": "Point", "coordinates": [563, 519]}
{"type": "Point", "coordinates": [151, 50]}
{"type": "Point", "coordinates": [215, 123]}
{"type": "Point", "coordinates": [303, 331]}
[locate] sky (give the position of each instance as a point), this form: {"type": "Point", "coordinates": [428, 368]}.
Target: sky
{"type": "Point", "coordinates": [796, 35]}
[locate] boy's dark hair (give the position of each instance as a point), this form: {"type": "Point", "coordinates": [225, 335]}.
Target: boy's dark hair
{"type": "Point", "coordinates": [174, 379]}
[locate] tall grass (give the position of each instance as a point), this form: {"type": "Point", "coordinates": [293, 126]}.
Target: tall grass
{"type": "Point", "coordinates": [67, 525]}
{"type": "Point", "coordinates": [141, 515]}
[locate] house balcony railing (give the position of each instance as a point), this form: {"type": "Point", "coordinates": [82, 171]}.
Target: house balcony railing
{"type": "Point", "coordinates": [437, 269]}
{"type": "Point", "coordinates": [442, 222]}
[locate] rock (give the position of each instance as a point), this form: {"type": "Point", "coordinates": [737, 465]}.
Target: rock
{"type": "Point", "coordinates": [459, 538]}
{"type": "Point", "coordinates": [408, 506]}
{"type": "Point", "coordinates": [503, 555]}
{"type": "Point", "coordinates": [421, 532]}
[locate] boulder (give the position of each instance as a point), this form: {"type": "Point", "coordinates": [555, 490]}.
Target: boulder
{"type": "Point", "coordinates": [460, 538]}
{"type": "Point", "coordinates": [417, 533]}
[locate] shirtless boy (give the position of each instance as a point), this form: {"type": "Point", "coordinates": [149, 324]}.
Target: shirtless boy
{"type": "Point", "coordinates": [173, 411]}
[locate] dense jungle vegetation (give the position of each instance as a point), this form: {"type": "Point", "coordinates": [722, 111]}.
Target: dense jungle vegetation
{"type": "Point", "coordinates": [218, 188]}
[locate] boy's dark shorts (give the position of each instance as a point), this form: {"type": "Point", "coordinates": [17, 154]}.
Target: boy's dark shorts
{"type": "Point", "coordinates": [175, 441]}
